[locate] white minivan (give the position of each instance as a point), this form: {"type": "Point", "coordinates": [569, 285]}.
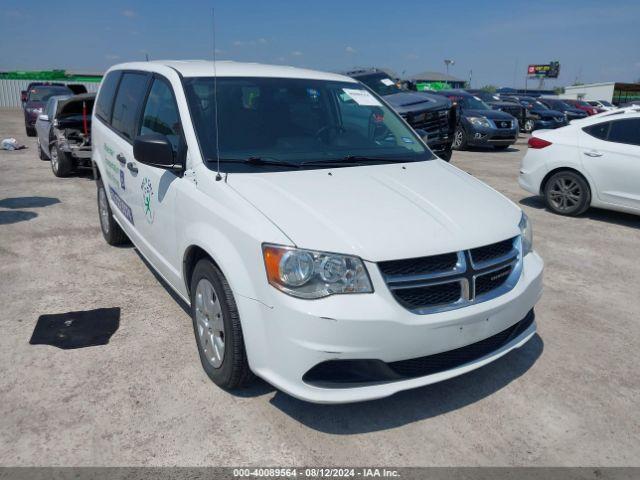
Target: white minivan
{"type": "Point", "coordinates": [318, 241]}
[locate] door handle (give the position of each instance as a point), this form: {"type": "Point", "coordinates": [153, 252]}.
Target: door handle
{"type": "Point", "coordinates": [121, 158]}
{"type": "Point", "coordinates": [132, 167]}
{"type": "Point", "coordinates": [593, 154]}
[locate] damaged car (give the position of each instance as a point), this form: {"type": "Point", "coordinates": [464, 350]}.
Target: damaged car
{"type": "Point", "coordinates": [64, 132]}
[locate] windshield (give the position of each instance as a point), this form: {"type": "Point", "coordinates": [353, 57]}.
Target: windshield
{"type": "Point", "coordinates": [379, 83]}
{"type": "Point", "coordinates": [294, 121]}
{"type": "Point", "coordinates": [42, 94]}
{"type": "Point", "coordinates": [606, 104]}
{"type": "Point", "coordinates": [473, 103]}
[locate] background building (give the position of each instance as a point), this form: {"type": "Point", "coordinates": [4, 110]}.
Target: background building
{"type": "Point", "coordinates": [614, 92]}
{"type": "Point", "coordinates": [436, 81]}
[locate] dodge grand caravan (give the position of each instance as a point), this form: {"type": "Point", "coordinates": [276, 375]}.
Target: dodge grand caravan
{"type": "Point", "coordinates": [318, 241]}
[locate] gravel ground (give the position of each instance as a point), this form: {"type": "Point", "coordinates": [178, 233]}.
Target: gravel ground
{"type": "Point", "coordinates": [569, 397]}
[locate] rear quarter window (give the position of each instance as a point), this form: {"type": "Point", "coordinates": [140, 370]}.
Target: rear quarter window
{"type": "Point", "coordinates": [108, 88]}
{"type": "Point", "coordinates": [598, 131]}
{"type": "Point", "coordinates": [131, 93]}
{"type": "Point", "coordinates": [625, 131]}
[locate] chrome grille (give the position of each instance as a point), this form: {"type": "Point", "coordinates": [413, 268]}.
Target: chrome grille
{"type": "Point", "coordinates": [454, 280]}
{"type": "Point", "coordinates": [503, 123]}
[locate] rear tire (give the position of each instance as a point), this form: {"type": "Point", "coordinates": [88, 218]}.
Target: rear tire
{"type": "Point", "coordinates": [61, 163]}
{"type": "Point", "coordinates": [41, 153]}
{"type": "Point", "coordinates": [217, 329]}
{"type": "Point", "coordinates": [111, 231]}
{"type": "Point", "coordinates": [567, 193]}
{"type": "Point", "coordinates": [31, 131]}
{"type": "Point", "coordinates": [459, 139]}
{"type": "Point", "coordinates": [529, 126]}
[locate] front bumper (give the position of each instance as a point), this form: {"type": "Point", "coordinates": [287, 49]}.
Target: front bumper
{"type": "Point", "coordinates": [480, 137]}
{"type": "Point", "coordinates": [286, 340]}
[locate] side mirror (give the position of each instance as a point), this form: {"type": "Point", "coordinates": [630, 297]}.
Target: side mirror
{"type": "Point", "coordinates": [43, 117]}
{"type": "Point", "coordinates": [154, 149]}
{"type": "Point", "coordinates": [23, 96]}
{"type": "Point", "coordinates": [423, 134]}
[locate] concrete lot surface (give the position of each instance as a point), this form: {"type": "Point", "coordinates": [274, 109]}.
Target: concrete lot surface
{"type": "Point", "coordinates": [571, 396]}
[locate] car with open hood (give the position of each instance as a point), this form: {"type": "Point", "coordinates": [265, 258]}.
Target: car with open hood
{"type": "Point", "coordinates": [64, 132]}
{"type": "Point", "coordinates": [317, 240]}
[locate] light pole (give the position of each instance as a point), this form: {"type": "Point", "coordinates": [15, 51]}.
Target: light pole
{"type": "Point", "coordinates": [448, 62]}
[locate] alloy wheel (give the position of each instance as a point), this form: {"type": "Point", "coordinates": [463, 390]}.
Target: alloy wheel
{"type": "Point", "coordinates": [565, 194]}
{"type": "Point", "coordinates": [55, 161]}
{"type": "Point", "coordinates": [210, 324]}
{"type": "Point", "coordinates": [104, 210]}
{"type": "Point", "coordinates": [457, 139]}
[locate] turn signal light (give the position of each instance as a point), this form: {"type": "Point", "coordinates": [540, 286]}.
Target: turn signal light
{"type": "Point", "coordinates": [535, 142]}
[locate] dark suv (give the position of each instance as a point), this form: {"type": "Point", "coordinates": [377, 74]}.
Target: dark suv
{"type": "Point", "coordinates": [36, 96]}
{"type": "Point", "coordinates": [423, 111]}
{"type": "Point", "coordinates": [539, 116]}
{"type": "Point", "coordinates": [494, 101]}
{"type": "Point", "coordinates": [479, 125]}
{"type": "Point", "coordinates": [571, 112]}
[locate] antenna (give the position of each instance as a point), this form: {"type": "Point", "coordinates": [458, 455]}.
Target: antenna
{"type": "Point", "coordinates": [215, 92]}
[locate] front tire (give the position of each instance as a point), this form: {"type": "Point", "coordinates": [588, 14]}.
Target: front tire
{"type": "Point", "coordinates": [31, 131]}
{"type": "Point", "coordinates": [529, 126]}
{"type": "Point", "coordinates": [445, 155]}
{"type": "Point", "coordinates": [567, 193]}
{"type": "Point", "coordinates": [61, 163]}
{"type": "Point", "coordinates": [216, 325]}
{"type": "Point", "coordinates": [111, 231]}
{"type": "Point", "coordinates": [459, 139]}
{"type": "Point", "coordinates": [41, 153]}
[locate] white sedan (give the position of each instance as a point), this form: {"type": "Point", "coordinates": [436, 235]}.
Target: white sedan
{"type": "Point", "coordinates": [591, 162]}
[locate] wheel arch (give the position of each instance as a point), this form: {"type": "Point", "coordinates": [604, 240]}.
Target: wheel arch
{"type": "Point", "coordinates": [551, 173]}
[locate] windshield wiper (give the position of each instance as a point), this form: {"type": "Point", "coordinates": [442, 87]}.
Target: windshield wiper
{"type": "Point", "coordinates": [257, 161]}
{"type": "Point", "coordinates": [352, 160]}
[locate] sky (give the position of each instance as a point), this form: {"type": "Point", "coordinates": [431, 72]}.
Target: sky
{"type": "Point", "coordinates": [491, 42]}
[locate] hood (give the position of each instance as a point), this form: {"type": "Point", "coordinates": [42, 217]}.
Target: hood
{"type": "Point", "coordinates": [547, 113]}
{"type": "Point", "coordinates": [407, 102]}
{"type": "Point", "coordinates": [492, 114]}
{"type": "Point", "coordinates": [577, 112]}
{"type": "Point", "coordinates": [382, 212]}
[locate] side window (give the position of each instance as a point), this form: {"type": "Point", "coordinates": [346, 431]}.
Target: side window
{"type": "Point", "coordinates": [128, 99]}
{"type": "Point", "coordinates": [599, 130]}
{"type": "Point", "coordinates": [625, 131]}
{"type": "Point", "coordinates": [161, 114]}
{"type": "Point", "coordinates": [105, 99]}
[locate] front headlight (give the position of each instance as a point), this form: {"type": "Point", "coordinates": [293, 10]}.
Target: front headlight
{"type": "Point", "coordinates": [480, 122]}
{"type": "Point", "coordinates": [311, 274]}
{"type": "Point", "coordinates": [526, 232]}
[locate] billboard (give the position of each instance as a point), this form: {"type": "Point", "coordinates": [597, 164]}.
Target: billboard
{"type": "Point", "coordinates": [549, 70]}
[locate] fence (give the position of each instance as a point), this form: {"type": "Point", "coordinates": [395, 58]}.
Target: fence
{"type": "Point", "coordinates": [10, 90]}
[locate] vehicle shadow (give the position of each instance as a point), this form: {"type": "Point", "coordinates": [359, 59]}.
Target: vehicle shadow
{"type": "Point", "coordinates": [601, 215]}
{"type": "Point", "coordinates": [8, 217]}
{"type": "Point", "coordinates": [80, 329]}
{"type": "Point", "coordinates": [28, 202]}
{"type": "Point", "coordinates": [413, 405]}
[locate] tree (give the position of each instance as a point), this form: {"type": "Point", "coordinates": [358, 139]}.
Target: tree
{"type": "Point", "coordinates": [489, 88]}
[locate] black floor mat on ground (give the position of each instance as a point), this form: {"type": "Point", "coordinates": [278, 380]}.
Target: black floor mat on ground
{"type": "Point", "coordinates": [87, 328]}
